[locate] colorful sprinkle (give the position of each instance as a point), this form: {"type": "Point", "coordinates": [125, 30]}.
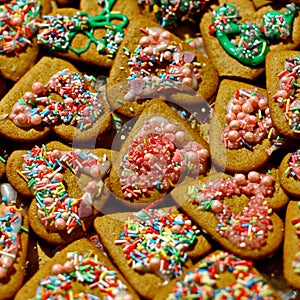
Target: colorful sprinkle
{"type": "Point", "coordinates": [44, 172]}
{"type": "Point", "coordinates": [248, 229]}
{"type": "Point", "coordinates": [203, 282]}
{"type": "Point", "coordinates": [157, 156]}
{"type": "Point", "coordinates": [156, 241]}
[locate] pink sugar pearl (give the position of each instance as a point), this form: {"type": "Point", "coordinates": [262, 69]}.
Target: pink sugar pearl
{"type": "Point", "coordinates": [165, 35]}
{"type": "Point", "coordinates": [217, 207]}
{"type": "Point", "coordinates": [267, 181]}
{"type": "Point", "coordinates": [57, 269]}
{"type": "Point", "coordinates": [145, 41]}
{"type": "Point", "coordinates": [69, 266]}
{"type": "Point", "coordinates": [254, 176]}
{"type": "Point", "coordinates": [38, 88]}
{"type": "Point", "coordinates": [176, 228]}
{"type": "Point", "coordinates": [167, 55]}
{"type": "Point", "coordinates": [56, 153]}
{"type": "Point", "coordinates": [29, 96]}
{"type": "Point", "coordinates": [58, 177]}
{"type": "Point", "coordinates": [240, 179]}
{"type": "Point", "coordinates": [7, 261]}
{"type": "Point", "coordinates": [154, 263]}
{"type": "Point", "coordinates": [92, 187]}
{"type": "Point", "coordinates": [179, 135]}
{"type": "Point", "coordinates": [22, 118]}
{"type": "Point", "coordinates": [36, 119]}
{"type": "Point", "coordinates": [60, 224]}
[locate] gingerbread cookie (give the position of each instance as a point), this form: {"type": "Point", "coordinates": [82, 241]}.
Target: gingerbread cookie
{"type": "Point", "coordinates": [218, 276]}
{"type": "Point", "coordinates": [289, 173]}
{"type": "Point", "coordinates": [19, 49]}
{"type": "Point", "coordinates": [283, 82]}
{"type": "Point", "coordinates": [291, 253]}
{"type": "Point", "coordinates": [53, 95]}
{"type": "Point", "coordinates": [151, 246]}
{"type": "Point", "coordinates": [14, 243]}
{"type": "Point", "coordinates": [235, 211]}
{"type": "Point", "coordinates": [242, 136]}
{"type": "Point", "coordinates": [68, 186]}
{"type": "Point", "coordinates": [85, 36]}
{"type": "Point", "coordinates": [160, 151]}
{"type": "Point", "coordinates": [237, 37]}
{"type": "Point", "coordinates": [154, 63]}
{"type": "Point", "coordinates": [79, 271]}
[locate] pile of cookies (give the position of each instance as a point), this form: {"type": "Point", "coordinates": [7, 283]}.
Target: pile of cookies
{"type": "Point", "coordinates": [150, 149]}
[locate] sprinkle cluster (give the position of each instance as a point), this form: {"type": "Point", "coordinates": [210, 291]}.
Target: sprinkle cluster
{"type": "Point", "coordinates": [251, 46]}
{"type": "Point", "coordinates": [157, 156]}
{"type": "Point", "coordinates": [248, 120]}
{"type": "Point", "coordinates": [296, 261]}
{"type": "Point", "coordinates": [18, 20]}
{"type": "Point", "coordinates": [79, 107]}
{"type": "Point", "coordinates": [10, 237]}
{"type": "Point", "coordinates": [201, 283]}
{"type": "Point", "coordinates": [157, 241]}
{"type": "Point", "coordinates": [286, 95]}
{"type": "Point", "coordinates": [170, 13]}
{"type": "Point", "coordinates": [159, 62]}
{"type": "Point", "coordinates": [43, 171]}
{"type": "Point", "coordinates": [248, 229]}
{"type": "Point", "coordinates": [293, 168]}
{"type": "Point", "coordinates": [86, 269]}
{"type": "Point", "coordinates": [60, 30]}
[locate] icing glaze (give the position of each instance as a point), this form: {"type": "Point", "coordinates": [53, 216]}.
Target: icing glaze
{"type": "Point", "coordinates": [156, 241]}
{"type": "Point", "coordinates": [170, 13]}
{"type": "Point", "coordinates": [248, 229]}
{"type": "Point", "coordinates": [248, 120]}
{"type": "Point", "coordinates": [60, 30]}
{"type": "Point", "coordinates": [203, 281]}
{"type": "Point", "coordinates": [79, 107]}
{"type": "Point", "coordinates": [252, 44]}
{"type": "Point", "coordinates": [18, 20]}
{"type": "Point", "coordinates": [43, 171]}
{"type": "Point", "coordinates": [288, 88]}
{"type": "Point", "coordinates": [87, 269]}
{"type": "Point", "coordinates": [157, 156]}
{"type": "Point", "coordinates": [158, 63]}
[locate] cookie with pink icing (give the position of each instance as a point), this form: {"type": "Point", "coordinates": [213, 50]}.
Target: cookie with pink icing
{"type": "Point", "coordinates": [242, 136]}
{"type": "Point", "coordinates": [68, 187]}
{"type": "Point", "coordinates": [161, 151]}
{"type": "Point", "coordinates": [80, 271]}
{"type": "Point", "coordinates": [14, 238]}
{"type": "Point", "coordinates": [151, 246]}
{"type": "Point", "coordinates": [60, 100]}
{"type": "Point", "coordinates": [236, 211]}
{"type": "Point", "coordinates": [154, 63]}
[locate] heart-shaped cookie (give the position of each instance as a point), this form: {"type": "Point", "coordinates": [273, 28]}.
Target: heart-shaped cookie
{"type": "Point", "coordinates": [242, 137]}
{"type": "Point", "coordinates": [96, 35]}
{"type": "Point", "coordinates": [151, 246]}
{"type": "Point", "coordinates": [160, 151]}
{"type": "Point", "coordinates": [68, 186]}
{"type": "Point", "coordinates": [235, 211]}
{"type": "Point", "coordinates": [14, 237]}
{"type": "Point", "coordinates": [283, 82]}
{"type": "Point", "coordinates": [19, 48]}
{"type": "Point", "coordinates": [236, 31]}
{"type": "Point", "coordinates": [81, 271]}
{"type": "Point", "coordinates": [218, 276]}
{"type": "Point", "coordinates": [60, 100]}
{"type": "Point", "coordinates": [154, 63]}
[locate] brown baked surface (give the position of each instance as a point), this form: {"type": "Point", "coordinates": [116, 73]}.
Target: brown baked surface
{"type": "Point", "coordinates": [288, 183]}
{"type": "Point", "coordinates": [117, 80]}
{"type": "Point", "coordinates": [74, 188]}
{"type": "Point", "coordinates": [109, 228]}
{"type": "Point", "coordinates": [274, 65]}
{"type": "Point", "coordinates": [225, 280]}
{"type": "Point", "coordinates": [155, 107]}
{"type": "Point", "coordinates": [290, 245]}
{"type": "Point", "coordinates": [10, 285]}
{"type": "Point", "coordinates": [228, 66]}
{"type": "Point", "coordinates": [42, 71]}
{"type": "Point", "coordinates": [208, 221]}
{"type": "Point", "coordinates": [82, 246]}
{"type": "Point", "coordinates": [237, 160]}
